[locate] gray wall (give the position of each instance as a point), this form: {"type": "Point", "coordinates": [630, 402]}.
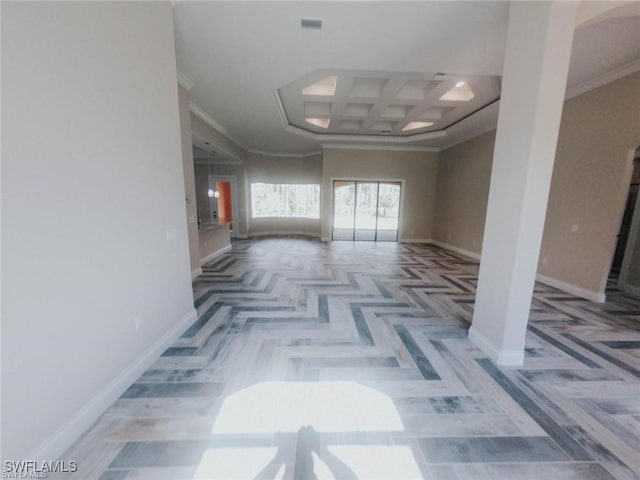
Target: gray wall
{"type": "Point", "coordinates": [418, 170]}
{"type": "Point", "coordinates": [588, 188]}
{"type": "Point", "coordinates": [94, 231]}
{"type": "Point", "coordinates": [464, 172]}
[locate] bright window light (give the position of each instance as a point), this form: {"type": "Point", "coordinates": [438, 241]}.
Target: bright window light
{"type": "Point", "coordinates": [326, 86]}
{"type": "Point", "coordinates": [416, 125]}
{"type": "Point", "coordinates": [318, 122]}
{"type": "Point", "coordinates": [285, 200]}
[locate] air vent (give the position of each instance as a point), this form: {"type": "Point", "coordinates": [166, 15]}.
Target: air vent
{"type": "Point", "coordinates": [313, 24]}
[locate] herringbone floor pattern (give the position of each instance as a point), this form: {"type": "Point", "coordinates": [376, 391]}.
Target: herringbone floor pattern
{"type": "Point", "coordinates": [351, 360]}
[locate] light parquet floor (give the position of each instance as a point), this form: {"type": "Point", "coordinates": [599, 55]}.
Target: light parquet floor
{"type": "Point", "coordinates": [312, 360]}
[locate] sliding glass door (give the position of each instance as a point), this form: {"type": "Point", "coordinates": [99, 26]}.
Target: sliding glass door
{"type": "Point", "coordinates": [366, 210]}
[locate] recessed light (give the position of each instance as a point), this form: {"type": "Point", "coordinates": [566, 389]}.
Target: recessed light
{"type": "Point", "coordinates": [318, 122]}
{"type": "Point", "coordinates": [416, 125]}
{"type": "Point", "coordinates": [326, 87]}
{"type": "Point", "coordinates": [459, 93]}
{"type": "Point", "coordinates": [460, 84]}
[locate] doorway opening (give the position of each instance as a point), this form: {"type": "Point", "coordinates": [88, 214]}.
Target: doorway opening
{"type": "Point", "coordinates": [221, 205]}
{"type": "Point", "coordinates": [627, 218]}
{"type": "Point", "coordinates": [366, 210]}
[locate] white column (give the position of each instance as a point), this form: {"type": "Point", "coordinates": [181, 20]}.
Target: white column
{"type": "Point", "coordinates": [538, 49]}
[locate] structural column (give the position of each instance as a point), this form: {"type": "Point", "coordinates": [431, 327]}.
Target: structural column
{"type": "Point", "coordinates": [538, 48]}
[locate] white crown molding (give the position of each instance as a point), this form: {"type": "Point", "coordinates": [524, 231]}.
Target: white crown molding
{"type": "Point", "coordinates": [365, 146]}
{"type": "Point", "coordinates": [280, 107]}
{"type": "Point", "coordinates": [466, 138]}
{"type": "Point", "coordinates": [197, 111]}
{"type": "Point", "coordinates": [184, 80]}
{"type": "Point", "coordinates": [377, 140]}
{"type": "Point", "coordinates": [204, 161]}
{"type": "Point", "coordinates": [615, 74]}
{"type": "Point", "coordinates": [284, 155]}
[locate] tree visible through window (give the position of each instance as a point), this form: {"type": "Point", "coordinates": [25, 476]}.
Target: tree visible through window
{"type": "Point", "coordinates": [285, 200]}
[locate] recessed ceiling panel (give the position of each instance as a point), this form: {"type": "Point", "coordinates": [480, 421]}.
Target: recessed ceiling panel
{"type": "Point", "coordinates": [367, 87]}
{"type": "Point", "coordinates": [326, 86]}
{"type": "Point", "coordinates": [357, 110]}
{"type": "Point", "coordinates": [312, 109]}
{"type": "Point", "coordinates": [416, 90]}
{"type": "Point", "coordinates": [351, 124]}
{"type": "Point", "coordinates": [395, 112]}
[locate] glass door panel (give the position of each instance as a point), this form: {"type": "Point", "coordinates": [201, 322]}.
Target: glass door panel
{"type": "Point", "coordinates": [388, 212]}
{"type": "Point", "coordinates": [366, 211]}
{"type": "Point", "coordinates": [344, 201]}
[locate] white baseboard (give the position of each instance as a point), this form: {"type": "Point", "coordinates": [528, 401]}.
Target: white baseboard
{"type": "Point", "coordinates": [63, 438]}
{"type": "Point", "coordinates": [279, 233]}
{"type": "Point", "coordinates": [242, 236]}
{"type": "Point", "coordinates": [215, 254]}
{"type": "Point", "coordinates": [503, 357]}
{"type": "Point", "coordinates": [415, 240]}
{"type": "Point", "coordinates": [461, 251]}
{"type": "Point", "coordinates": [325, 239]}
{"type": "Point", "coordinates": [196, 273]}
{"type": "Point", "coordinates": [598, 297]}
{"type": "Point", "coordinates": [630, 289]}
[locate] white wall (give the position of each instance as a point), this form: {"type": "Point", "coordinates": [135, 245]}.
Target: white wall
{"type": "Point", "coordinates": [189, 179]}
{"type": "Point", "coordinates": [93, 217]}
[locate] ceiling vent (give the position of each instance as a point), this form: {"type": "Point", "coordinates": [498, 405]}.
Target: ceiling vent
{"type": "Point", "coordinates": [313, 24]}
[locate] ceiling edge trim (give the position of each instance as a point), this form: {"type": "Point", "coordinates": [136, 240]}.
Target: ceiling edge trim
{"type": "Point", "coordinates": [212, 123]}
{"type": "Point", "coordinates": [280, 106]}
{"type": "Point", "coordinates": [185, 81]}
{"type": "Point", "coordinates": [466, 138]}
{"type": "Point", "coordinates": [363, 146]}
{"type": "Point", "coordinates": [382, 140]}
{"type": "Point", "coordinates": [285, 155]}
{"type": "Point", "coordinates": [615, 74]}
{"type": "Point", "coordinates": [204, 161]}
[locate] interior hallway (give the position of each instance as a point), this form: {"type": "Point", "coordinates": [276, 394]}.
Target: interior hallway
{"type": "Point", "coordinates": [371, 340]}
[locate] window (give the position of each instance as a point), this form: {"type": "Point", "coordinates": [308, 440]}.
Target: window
{"type": "Point", "coordinates": [285, 200]}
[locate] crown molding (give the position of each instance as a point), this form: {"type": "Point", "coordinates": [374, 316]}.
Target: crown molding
{"type": "Point", "coordinates": [280, 107]}
{"type": "Point", "coordinates": [285, 155]}
{"type": "Point", "coordinates": [615, 74]}
{"type": "Point", "coordinates": [466, 138]}
{"type": "Point", "coordinates": [365, 146]}
{"type": "Point", "coordinates": [197, 111]}
{"type": "Point", "coordinates": [185, 81]}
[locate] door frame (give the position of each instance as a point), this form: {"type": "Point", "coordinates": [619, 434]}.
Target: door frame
{"type": "Point", "coordinates": [401, 181]}
{"type": "Point", "coordinates": [234, 198]}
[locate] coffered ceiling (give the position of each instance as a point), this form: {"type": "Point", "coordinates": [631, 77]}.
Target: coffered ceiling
{"type": "Point", "coordinates": [348, 102]}
{"type": "Point", "coordinates": [266, 81]}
